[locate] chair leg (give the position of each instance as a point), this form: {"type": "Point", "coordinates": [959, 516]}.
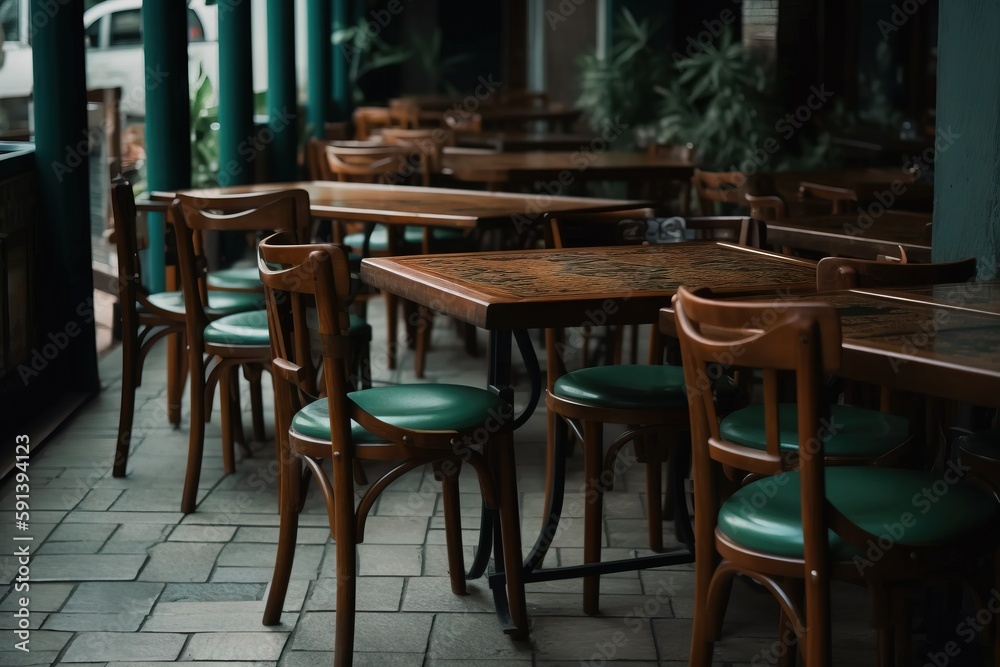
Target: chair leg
{"type": "Point", "coordinates": [347, 562]}
{"type": "Point", "coordinates": [425, 324]}
{"type": "Point", "coordinates": [593, 464]}
{"type": "Point", "coordinates": [502, 454]}
{"type": "Point", "coordinates": [391, 330]}
{"type": "Point", "coordinates": [654, 508]}
{"type": "Point", "coordinates": [226, 411]}
{"type": "Point", "coordinates": [447, 473]}
{"type": "Point", "coordinates": [288, 527]}
{"type": "Point", "coordinates": [196, 439]}
{"type": "Point", "coordinates": [130, 380]}
{"type": "Point", "coordinates": [176, 370]}
{"type": "Point", "coordinates": [253, 374]}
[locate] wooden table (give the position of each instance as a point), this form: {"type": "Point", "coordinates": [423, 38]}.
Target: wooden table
{"type": "Point", "coordinates": [853, 235]}
{"type": "Point", "coordinates": [564, 168]}
{"type": "Point", "coordinates": [942, 340]}
{"type": "Point", "coordinates": [504, 291]}
{"type": "Point", "coordinates": [409, 205]}
{"type": "Point", "coordinates": [520, 142]}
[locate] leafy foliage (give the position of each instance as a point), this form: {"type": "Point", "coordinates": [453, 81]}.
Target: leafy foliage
{"type": "Point", "coordinates": [204, 133]}
{"type": "Point", "coordinates": [621, 87]}
{"type": "Point", "coordinates": [366, 52]}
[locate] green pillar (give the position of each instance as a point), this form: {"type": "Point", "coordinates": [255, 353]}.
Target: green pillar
{"type": "Point", "coordinates": [342, 18]}
{"type": "Point", "coordinates": [235, 93]}
{"type": "Point", "coordinates": [168, 114]}
{"type": "Point", "coordinates": [320, 23]}
{"type": "Point", "coordinates": [966, 163]}
{"type": "Point", "coordinates": [63, 260]}
{"type": "Point", "coordinates": [282, 105]}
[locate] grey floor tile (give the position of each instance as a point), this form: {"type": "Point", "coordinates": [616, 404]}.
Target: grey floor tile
{"type": "Point", "coordinates": [42, 597]}
{"type": "Point", "coordinates": [122, 646]}
{"type": "Point", "coordinates": [22, 659]}
{"type": "Point", "coordinates": [192, 533]}
{"type": "Point", "coordinates": [373, 594]}
{"type": "Point", "coordinates": [387, 560]}
{"type": "Point", "coordinates": [39, 641]}
{"type": "Point", "coordinates": [325, 659]}
{"type": "Point", "coordinates": [244, 646]}
{"type": "Point", "coordinates": [432, 594]}
{"type": "Point", "coordinates": [180, 562]}
{"type": "Point", "coordinates": [471, 637]}
{"type": "Point", "coordinates": [113, 597]}
{"type": "Point", "coordinates": [99, 567]}
{"type": "Point", "coordinates": [212, 592]}
{"type": "Point", "coordinates": [374, 633]}
{"type": "Point", "coordinates": [113, 622]}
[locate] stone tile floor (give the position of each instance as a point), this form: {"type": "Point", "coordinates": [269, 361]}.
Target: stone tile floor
{"type": "Point", "coordinates": [120, 577]}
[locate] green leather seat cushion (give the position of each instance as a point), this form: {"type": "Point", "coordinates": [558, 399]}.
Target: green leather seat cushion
{"type": "Point", "coordinates": [985, 444]}
{"type": "Point", "coordinates": [625, 386]}
{"type": "Point", "coordinates": [853, 431]}
{"type": "Point", "coordinates": [249, 328]}
{"type": "Point", "coordinates": [435, 407]}
{"type": "Point", "coordinates": [379, 240]}
{"type": "Point", "coordinates": [905, 506]}
{"type": "Point", "coordinates": [237, 277]}
{"type": "Point", "coordinates": [223, 302]}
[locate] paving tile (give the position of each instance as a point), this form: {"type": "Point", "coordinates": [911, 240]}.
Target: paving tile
{"type": "Point", "coordinates": [40, 640]}
{"type": "Point", "coordinates": [192, 533]}
{"type": "Point", "coordinates": [593, 638]}
{"type": "Point", "coordinates": [200, 663]}
{"type": "Point", "coordinates": [62, 548]}
{"type": "Point", "coordinates": [42, 597]}
{"type": "Point", "coordinates": [406, 503]}
{"type": "Point", "coordinates": [165, 518]}
{"type": "Point", "coordinates": [113, 597]}
{"type": "Point", "coordinates": [180, 561]}
{"type": "Point", "coordinates": [260, 575]}
{"type": "Point", "coordinates": [80, 532]}
{"type": "Point", "coordinates": [388, 560]}
{"type": "Point", "coordinates": [373, 594]}
{"type": "Point", "coordinates": [86, 567]}
{"type": "Point", "coordinates": [22, 659]}
{"type": "Point", "coordinates": [431, 594]}
{"type": "Point", "coordinates": [244, 646]}
{"type": "Point", "coordinates": [212, 593]}
{"type": "Point", "coordinates": [325, 659]}
{"type": "Point", "coordinates": [11, 622]}
{"type": "Point", "coordinates": [269, 535]}
{"type": "Point", "coordinates": [120, 622]}
{"type": "Point", "coordinates": [213, 617]}
{"type": "Point", "coordinates": [375, 632]}
{"type": "Point", "coordinates": [471, 637]}
{"type": "Point", "coordinates": [121, 646]}
{"type": "Point", "coordinates": [98, 500]}
{"type": "Point", "coordinates": [395, 530]}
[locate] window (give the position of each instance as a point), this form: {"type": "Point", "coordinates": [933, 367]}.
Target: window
{"type": "Point", "coordinates": [126, 28]}
{"type": "Point", "coordinates": [92, 35]}
{"type": "Point", "coordinates": [9, 15]}
{"type": "Point", "coordinates": [196, 32]}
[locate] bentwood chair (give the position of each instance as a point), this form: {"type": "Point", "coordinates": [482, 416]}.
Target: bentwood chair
{"type": "Point", "coordinates": [841, 273]}
{"type": "Point", "coordinates": [802, 524]}
{"type": "Point", "coordinates": [839, 199]}
{"type": "Point", "coordinates": [412, 426]}
{"type": "Point", "coordinates": [648, 399]}
{"type": "Point", "coordinates": [662, 192]}
{"type": "Point", "coordinates": [218, 349]}
{"type": "Point", "coordinates": [769, 208]}
{"type": "Point", "coordinates": [148, 318]}
{"type": "Point", "coordinates": [368, 120]}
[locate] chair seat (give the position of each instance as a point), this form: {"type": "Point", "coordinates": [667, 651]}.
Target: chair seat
{"type": "Point", "coordinates": [241, 277]}
{"type": "Point", "coordinates": [625, 386]}
{"type": "Point", "coordinates": [249, 328]}
{"type": "Point", "coordinates": [218, 302]}
{"type": "Point", "coordinates": [905, 506]}
{"type": "Point", "coordinates": [379, 239]}
{"type": "Point", "coordinates": [853, 432]}
{"type": "Point", "coordinates": [433, 407]}
{"type": "Point", "coordinates": [984, 444]}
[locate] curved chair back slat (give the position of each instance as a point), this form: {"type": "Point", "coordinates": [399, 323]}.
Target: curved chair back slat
{"type": "Point", "coordinates": [840, 273]}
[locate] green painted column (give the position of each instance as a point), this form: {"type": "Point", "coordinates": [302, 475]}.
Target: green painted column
{"type": "Point", "coordinates": [966, 163]}
{"type": "Point", "coordinates": [320, 48]}
{"type": "Point", "coordinates": [282, 105]}
{"type": "Point", "coordinates": [62, 256]}
{"type": "Point", "coordinates": [235, 93]}
{"type": "Point", "coordinates": [168, 114]}
{"type": "Point", "coordinates": [342, 18]}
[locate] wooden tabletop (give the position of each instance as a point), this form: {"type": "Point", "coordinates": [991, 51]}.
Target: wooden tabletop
{"type": "Point", "coordinates": [854, 235]}
{"type": "Point", "coordinates": [980, 297]}
{"type": "Point", "coordinates": [571, 287]}
{"type": "Point", "coordinates": [920, 345]}
{"type": "Point", "coordinates": [439, 207]}
{"type": "Point", "coordinates": [565, 166]}
{"type": "Point", "coordinates": [519, 142]}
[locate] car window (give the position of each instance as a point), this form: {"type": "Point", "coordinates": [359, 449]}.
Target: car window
{"type": "Point", "coordinates": [93, 33]}
{"type": "Point", "coordinates": [126, 28]}
{"type": "Point", "coordinates": [9, 20]}
{"type": "Point", "coordinates": [196, 32]}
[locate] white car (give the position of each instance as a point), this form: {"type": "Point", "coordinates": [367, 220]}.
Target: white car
{"type": "Point", "coordinates": [113, 34]}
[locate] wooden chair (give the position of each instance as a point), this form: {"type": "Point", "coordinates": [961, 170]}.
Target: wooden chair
{"type": "Point", "coordinates": [218, 348]}
{"type": "Point", "coordinates": [726, 187]}
{"type": "Point", "coordinates": [428, 144]}
{"type": "Point", "coordinates": [524, 98]}
{"type": "Point", "coordinates": [801, 524]}
{"type": "Point", "coordinates": [662, 192]}
{"type": "Point", "coordinates": [462, 121]}
{"type": "Point", "coordinates": [769, 208]}
{"type": "Point", "coordinates": [336, 131]}
{"type": "Point", "coordinates": [648, 399]}
{"type": "Point", "coordinates": [841, 273]}
{"type": "Point", "coordinates": [404, 113]}
{"type": "Point", "coordinates": [369, 119]}
{"type": "Point", "coordinates": [414, 425]}
{"type": "Point", "coordinates": [839, 198]}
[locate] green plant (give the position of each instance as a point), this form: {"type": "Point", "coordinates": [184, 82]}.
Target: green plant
{"type": "Point", "coordinates": [621, 87]}
{"type": "Point", "coordinates": [365, 53]}
{"type": "Point", "coordinates": [438, 68]}
{"type": "Point", "coordinates": [204, 133]}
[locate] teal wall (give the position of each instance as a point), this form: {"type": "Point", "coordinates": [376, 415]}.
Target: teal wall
{"type": "Point", "coordinates": [967, 172]}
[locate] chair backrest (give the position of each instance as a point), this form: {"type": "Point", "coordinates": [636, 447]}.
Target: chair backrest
{"type": "Point", "coordinates": [839, 273]}
{"type": "Point", "coordinates": [128, 244]}
{"type": "Point", "coordinates": [428, 143]}
{"type": "Point", "coordinates": [192, 216]}
{"type": "Point", "coordinates": [631, 227]}
{"type": "Point", "coordinates": [462, 121]}
{"type": "Point", "coordinates": [404, 113]}
{"type": "Point", "coordinates": [296, 278]}
{"type": "Point", "coordinates": [800, 339]}
{"type": "Point", "coordinates": [368, 119]}
{"type": "Point", "coordinates": [839, 198]}
{"type": "Point", "coordinates": [524, 98]}
{"type": "Point", "coordinates": [727, 187]}
{"type": "Point", "coordinates": [676, 151]}
{"type": "Point", "coordinates": [334, 131]}
{"type": "Point", "coordinates": [372, 164]}
{"type": "Point", "coordinates": [769, 208]}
